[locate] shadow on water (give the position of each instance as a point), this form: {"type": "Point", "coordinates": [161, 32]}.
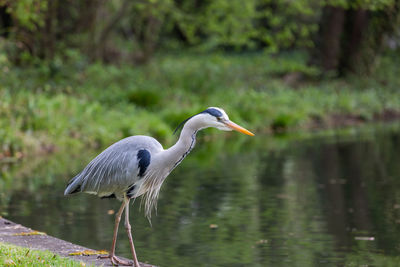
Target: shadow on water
{"type": "Point", "coordinates": [312, 201]}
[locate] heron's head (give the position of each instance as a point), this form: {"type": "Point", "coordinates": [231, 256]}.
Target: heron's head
{"type": "Point", "coordinates": [217, 118]}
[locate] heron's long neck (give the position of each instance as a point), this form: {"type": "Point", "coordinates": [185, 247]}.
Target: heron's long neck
{"type": "Point", "coordinates": [175, 154]}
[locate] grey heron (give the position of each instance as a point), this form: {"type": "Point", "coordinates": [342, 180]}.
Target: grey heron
{"type": "Point", "coordinates": [138, 165]}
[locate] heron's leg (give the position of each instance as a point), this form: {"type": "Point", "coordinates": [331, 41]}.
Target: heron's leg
{"type": "Point", "coordinates": [117, 220]}
{"type": "Point", "coordinates": [128, 230]}
{"type": "Point", "coordinates": [114, 259]}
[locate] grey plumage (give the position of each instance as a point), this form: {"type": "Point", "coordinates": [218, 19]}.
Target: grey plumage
{"type": "Point", "coordinates": [115, 170]}
{"type": "Point", "coordinates": [138, 165]}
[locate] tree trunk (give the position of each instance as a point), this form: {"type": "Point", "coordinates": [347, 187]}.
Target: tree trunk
{"type": "Point", "coordinates": [349, 40]}
{"type": "Point", "coordinates": [353, 40]}
{"type": "Point", "coordinates": [331, 31]}
{"type": "Point", "coordinates": [5, 22]}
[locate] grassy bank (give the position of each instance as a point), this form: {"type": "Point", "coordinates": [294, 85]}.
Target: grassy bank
{"type": "Point", "coordinates": [11, 255]}
{"type": "Point", "coordinates": [71, 105]}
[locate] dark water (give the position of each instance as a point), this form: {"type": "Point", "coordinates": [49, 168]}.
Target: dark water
{"type": "Point", "coordinates": [316, 201]}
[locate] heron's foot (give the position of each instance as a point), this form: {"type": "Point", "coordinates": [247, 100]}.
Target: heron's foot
{"type": "Point", "coordinates": [117, 261]}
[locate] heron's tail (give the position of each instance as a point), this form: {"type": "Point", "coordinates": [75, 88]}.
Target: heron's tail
{"type": "Point", "coordinates": [74, 185]}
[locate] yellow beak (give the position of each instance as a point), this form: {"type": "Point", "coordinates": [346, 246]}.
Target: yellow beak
{"type": "Point", "coordinates": [238, 128]}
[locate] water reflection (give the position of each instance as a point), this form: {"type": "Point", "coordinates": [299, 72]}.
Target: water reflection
{"type": "Point", "coordinates": [266, 203]}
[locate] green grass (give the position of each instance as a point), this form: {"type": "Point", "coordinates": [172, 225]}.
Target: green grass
{"type": "Point", "coordinates": [71, 105]}
{"type": "Point", "coordinates": [11, 255]}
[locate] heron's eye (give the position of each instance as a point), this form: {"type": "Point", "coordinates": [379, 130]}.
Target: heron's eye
{"type": "Point", "coordinates": [219, 118]}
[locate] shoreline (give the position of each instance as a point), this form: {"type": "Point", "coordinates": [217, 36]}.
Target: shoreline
{"type": "Point", "coordinates": [19, 235]}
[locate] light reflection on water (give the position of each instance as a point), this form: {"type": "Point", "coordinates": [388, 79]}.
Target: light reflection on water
{"type": "Point", "coordinates": [305, 203]}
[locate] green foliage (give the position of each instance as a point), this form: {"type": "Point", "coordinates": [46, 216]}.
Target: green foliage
{"type": "Point", "coordinates": [249, 25]}
{"type": "Point", "coordinates": [100, 104]}
{"type": "Point", "coordinates": [43, 120]}
{"type": "Point", "coordinates": [27, 13]}
{"type": "Point", "coordinates": [144, 98]}
{"type": "Point", "coordinates": [288, 23]}
{"type": "Point", "coordinates": [229, 23]}
{"type": "Point", "coordinates": [115, 31]}
{"type": "Point", "coordinates": [281, 122]}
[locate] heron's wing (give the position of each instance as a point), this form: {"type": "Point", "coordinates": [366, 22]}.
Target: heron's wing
{"type": "Point", "coordinates": [117, 168]}
{"type": "Point", "coordinates": [112, 171]}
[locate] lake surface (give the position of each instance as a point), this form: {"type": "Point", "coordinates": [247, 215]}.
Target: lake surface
{"type": "Point", "coordinates": [237, 201]}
